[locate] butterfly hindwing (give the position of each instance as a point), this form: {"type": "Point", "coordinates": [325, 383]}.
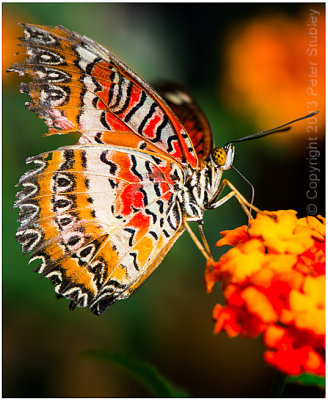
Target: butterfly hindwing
{"type": "Point", "coordinates": [190, 115]}
{"type": "Point", "coordinates": [98, 217]}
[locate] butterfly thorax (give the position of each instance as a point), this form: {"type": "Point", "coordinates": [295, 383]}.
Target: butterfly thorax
{"type": "Point", "coordinates": [201, 186]}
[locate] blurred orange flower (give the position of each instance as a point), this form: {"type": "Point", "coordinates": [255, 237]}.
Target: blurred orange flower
{"type": "Point", "coordinates": [274, 283]}
{"type": "Point", "coordinates": [275, 70]}
{"type": "Point", "coordinates": [10, 32]}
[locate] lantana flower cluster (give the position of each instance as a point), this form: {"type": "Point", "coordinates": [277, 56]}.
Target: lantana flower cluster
{"type": "Point", "coordinates": [273, 283]}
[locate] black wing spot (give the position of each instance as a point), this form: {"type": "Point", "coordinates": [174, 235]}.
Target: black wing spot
{"type": "Point", "coordinates": [154, 234]}
{"type": "Point", "coordinates": [61, 203]}
{"type": "Point", "coordinates": [134, 169]}
{"type": "Point", "coordinates": [156, 160]}
{"type": "Point", "coordinates": [127, 99]}
{"type": "Point", "coordinates": [153, 215]}
{"type": "Point", "coordinates": [136, 107]}
{"type": "Point", "coordinates": [104, 121]}
{"type": "Point", "coordinates": [157, 189]}
{"type": "Point", "coordinates": [159, 130]}
{"type": "Point", "coordinates": [84, 159]}
{"type": "Point", "coordinates": [146, 118]}
{"type": "Point", "coordinates": [169, 143]}
{"type": "Point", "coordinates": [69, 160]}
{"type": "Point", "coordinates": [161, 206]}
{"type": "Point", "coordinates": [97, 138]}
{"type": "Point", "coordinates": [73, 240]}
{"type": "Point", "coordinates": [134, 256]}
{"type": "Point", "coordinates": [132, 232]}
{"type": "Point", "coordinates": [112, 183]}
{"type": "Point", "coordinates": [112, 166]}
{"type": "Point", "coordinates": [145, 197]}
{"type": "Point", "coordinates": [166, 233]}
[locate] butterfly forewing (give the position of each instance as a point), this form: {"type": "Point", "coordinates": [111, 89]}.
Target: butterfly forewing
{"type": "Point", "coordinates": [80, 86]}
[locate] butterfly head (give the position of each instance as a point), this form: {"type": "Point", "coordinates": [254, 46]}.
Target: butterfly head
{"type": "Point", "coordinates": [223, 156]}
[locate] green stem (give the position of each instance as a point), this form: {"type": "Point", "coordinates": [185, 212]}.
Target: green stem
{"type": "Point", "coordinates": [279, 384]}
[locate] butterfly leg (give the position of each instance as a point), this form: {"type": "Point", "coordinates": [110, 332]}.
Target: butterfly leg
{"type": "Point", "coordinates": [205, 251]}
{"type": "Point", "coordinates": [234, 193]}
{"type": "Point", "coordinates": [202, 234]}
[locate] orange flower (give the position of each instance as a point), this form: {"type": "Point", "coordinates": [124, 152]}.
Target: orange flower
{"type": "Point", "coordinates": [275, 68]}
{"type": "Point", "coordinates": [274, 283]}
{"type": "Point", "coordinates": [10, 32]}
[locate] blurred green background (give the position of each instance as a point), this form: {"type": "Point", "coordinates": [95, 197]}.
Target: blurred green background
{"type": "Point", "coordinates": [168, 321]}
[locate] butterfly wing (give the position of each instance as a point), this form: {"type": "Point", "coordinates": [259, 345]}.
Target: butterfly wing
{"type": "Point", "coordinates": [190, 115]}
{"type": "Point", "coordinates": [79, 86]}
{"type": "Point", "coordinates": [101, 218]}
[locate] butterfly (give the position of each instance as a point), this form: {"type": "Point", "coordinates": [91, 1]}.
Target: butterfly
{"type": "Point", "coordinates": [102, 214]}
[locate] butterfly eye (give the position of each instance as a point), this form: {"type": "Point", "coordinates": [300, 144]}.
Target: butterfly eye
{"type": "Point", "coordinates": [219, 156]}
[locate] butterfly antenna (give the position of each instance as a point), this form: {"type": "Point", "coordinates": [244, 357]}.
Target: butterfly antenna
{"type": "Point", "coordinates": [281, 128]}
{"type": "Point", "coordinates": [252, 188]}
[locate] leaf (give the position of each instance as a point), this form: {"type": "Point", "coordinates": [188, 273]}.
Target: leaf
{"type": "Point", "coordinates": [307, 379]}
{"type": "Point", "coordinates": [142, 371]}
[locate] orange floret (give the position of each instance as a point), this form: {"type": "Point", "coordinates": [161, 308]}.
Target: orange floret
{"type": "Point", "coordinates": [273, 283]}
